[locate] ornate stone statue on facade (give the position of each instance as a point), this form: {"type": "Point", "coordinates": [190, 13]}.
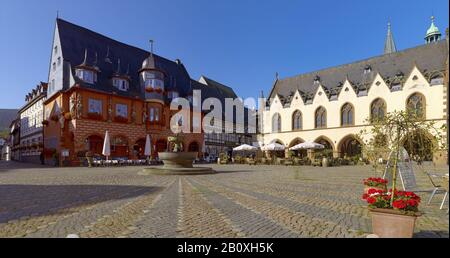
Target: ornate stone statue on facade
{"type": "Point", "coordinates": [62, 119]}
{"type": "Point", "coordinates": [144, 117]}
{"type": "Point", "coordinates": [79, 106]}
{"type": "Point", "coordinates": [110, 110]}
{"type": "Point", "coordinates": [133, 114]}
{"type": "Point", "coordinates": [73, 105]}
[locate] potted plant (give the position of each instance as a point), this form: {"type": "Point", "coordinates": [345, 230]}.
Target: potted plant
{"type": "Point", "coordinates": [376, 183]}
{"type": "Point", "coordinates": [81, 157]}
{"type": "Point", "coordinates": [325, 157]}
{"type": "Point", "coordinates": [394, 213]}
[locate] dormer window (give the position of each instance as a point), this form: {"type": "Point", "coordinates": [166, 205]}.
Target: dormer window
{"type": "Point", "coordinates": [172, 94]}
{"type": "Point", "coordinates": [121, 84]}
{"type": "Point", "coordinates": [86, 75]}
{"type": "Point", "coordinates": [367, 69]}
{"type": "Point", "coordinates": [87, 72]}
{"type": "Point", "coordinates": [396, 86]}
{"type": "Point", "coordinates": [316, 79]}
{"type": "Point", "coordinates": [437, 80]}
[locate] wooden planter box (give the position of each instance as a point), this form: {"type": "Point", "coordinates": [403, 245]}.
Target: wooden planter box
{"type": "Point", "coordinates": [389, 223]}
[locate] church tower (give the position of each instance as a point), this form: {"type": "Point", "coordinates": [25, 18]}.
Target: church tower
{"type": "Point", "coordinates": [433, 33]}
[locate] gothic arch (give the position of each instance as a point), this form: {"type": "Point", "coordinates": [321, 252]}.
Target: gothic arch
{"type": "Point", "coordinates": [349, 146]}
{"type": "Point", "coordinates": [324, 139]}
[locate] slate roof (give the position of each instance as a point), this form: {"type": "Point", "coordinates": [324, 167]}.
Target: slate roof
{"type": "Point", "coordinates": [75, 40]}
{"type": "Point", "coordinates": [392, 67]}
{"type": "Point", "coordinates": [214, 89]}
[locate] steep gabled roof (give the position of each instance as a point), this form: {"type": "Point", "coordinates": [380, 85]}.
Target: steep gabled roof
{"type": "Point", "coordinates": [225, 91]}
{"type": "Point", "coordinates": [75, 40]}
{"type": "Point", "coordinates": [428, 58]}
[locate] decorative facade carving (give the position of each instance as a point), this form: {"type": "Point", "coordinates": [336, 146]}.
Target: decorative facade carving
{"type": "Point", "coordinates": [79, 106]}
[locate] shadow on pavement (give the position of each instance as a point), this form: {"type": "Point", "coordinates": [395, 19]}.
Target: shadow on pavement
{"type": "Point", "coordinates": [431, 234]}
{"type": "Point", "coordinates": [17, 201]}
{"type": "Point", "coordinates": [6, 166]}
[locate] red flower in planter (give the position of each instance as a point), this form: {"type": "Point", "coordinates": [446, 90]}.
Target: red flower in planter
{"type": "Point", "coordinates": [375, 182]}
{"type": "Point", "coordinates": [399, 204]}
{"type": "Point", "coordinates": [373, 191]}
{"type": "Point", "coordinates": [371, 200]}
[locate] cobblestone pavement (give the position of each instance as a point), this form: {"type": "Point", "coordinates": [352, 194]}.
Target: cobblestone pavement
{"type": "Point", "coordinates": [239, 201]}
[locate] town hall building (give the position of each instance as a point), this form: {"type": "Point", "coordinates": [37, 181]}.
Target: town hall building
{"type": "Point", "coordinates": [333, 105]}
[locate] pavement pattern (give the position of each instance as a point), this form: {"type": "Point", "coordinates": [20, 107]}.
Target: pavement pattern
{"type": "Point", "coordinates": [239, 201]}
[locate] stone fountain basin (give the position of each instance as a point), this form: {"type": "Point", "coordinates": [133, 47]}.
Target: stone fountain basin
{"type": "Point", "coordinates": [177, 159]}
{"type": "Point", "coordinates": [177, 163]}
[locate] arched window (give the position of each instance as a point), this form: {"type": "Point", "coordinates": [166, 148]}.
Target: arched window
{"type": "Point", "coordinates": [416, 105]}
{"type": "Point", "coordinates": [276, 123]}
{"type": "Point", "coordinates": [297, 120]}
{"type": "Point", "coordinates": [321, 117]}
{"type": "Point", "coordinates": [377, 109]}
{"type": "Point", "coordinates": [347, 114]}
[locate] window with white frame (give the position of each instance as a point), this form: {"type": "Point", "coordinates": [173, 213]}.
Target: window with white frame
{"type": "Point", "coordinates": [154, 80]}
{"type": "Point", "coordinates": [86, 75]}
{"type": "Point", "coordinates": [121, 84]}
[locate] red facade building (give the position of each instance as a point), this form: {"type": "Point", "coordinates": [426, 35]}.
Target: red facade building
{"type": "Point", "coordinates": [97, 84]}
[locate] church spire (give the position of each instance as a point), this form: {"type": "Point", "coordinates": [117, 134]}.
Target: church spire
{"type": "Point", "coordinates": [389, 45]}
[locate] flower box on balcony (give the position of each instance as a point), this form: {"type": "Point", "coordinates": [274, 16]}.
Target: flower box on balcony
{"type": "Point", "coordinates": [120, 119]}
{"type": "Point", "coordinates": [95, 116]}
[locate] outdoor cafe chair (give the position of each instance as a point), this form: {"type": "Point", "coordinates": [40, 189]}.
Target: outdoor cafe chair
{"type": "Point", "coordinates": [437, 187]}
{"type": "Point", "coordinates": [446, 192]}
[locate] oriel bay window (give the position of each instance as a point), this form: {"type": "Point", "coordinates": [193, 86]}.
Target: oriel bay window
{"type": "Point", "coordinates": [155, 115]}
{"type": "Point", "coordinates": [153, 81]}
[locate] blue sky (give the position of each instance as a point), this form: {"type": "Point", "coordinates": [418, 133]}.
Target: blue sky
{"type": "Point", "coordinates": [241, 43]}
